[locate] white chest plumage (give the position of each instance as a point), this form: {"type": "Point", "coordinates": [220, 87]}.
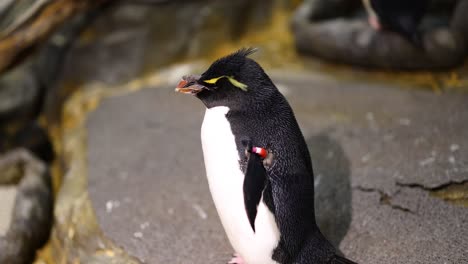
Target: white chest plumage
{"type": "Point", "coordinates": [225, 179]}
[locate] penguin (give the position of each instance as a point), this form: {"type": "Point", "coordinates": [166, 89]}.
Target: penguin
{"type": "Point", "coordinates": [258, 165]}
{"type": "Point", "coordinates": [401, 16]}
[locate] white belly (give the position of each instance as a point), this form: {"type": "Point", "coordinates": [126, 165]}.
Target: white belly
{"type": "Point", "coordinates": [226, 179]}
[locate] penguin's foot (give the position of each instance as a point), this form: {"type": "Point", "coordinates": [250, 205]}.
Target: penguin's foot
{"type": "Point", "coordinates": [236, 259]}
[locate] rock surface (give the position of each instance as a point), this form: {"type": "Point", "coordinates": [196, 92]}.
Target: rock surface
{"type": "Point", "coordinates": [8, 194]}
{"type": "Point", "coordinates": [18, 94]}
{"type": "Point", "coordinates": [27, 23]}
{"type": "Point", "coordinates": [31, 218]}
{"type": "Point", "coordinates": [338, 31]}
{"type": "Point", "coordinates": [4, 5]}
{"type": "Point", "coordinates": [378, 153]}
{"type": "Point", "coordinates": [131, 39]}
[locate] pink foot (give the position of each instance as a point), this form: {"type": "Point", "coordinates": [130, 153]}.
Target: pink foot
{"type": "Point", "coordinates": [374, 22]}
{"type": "Point", "coordinates": [236, 259]}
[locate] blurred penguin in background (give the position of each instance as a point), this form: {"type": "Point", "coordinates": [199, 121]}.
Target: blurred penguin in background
{"type": "Point", "coordinates": [401, 16]}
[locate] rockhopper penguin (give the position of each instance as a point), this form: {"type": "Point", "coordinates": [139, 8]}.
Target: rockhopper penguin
{"type": "Point", "coordinates": [401, 16]}
{"type": "Point", "coordinates": [258, 165]}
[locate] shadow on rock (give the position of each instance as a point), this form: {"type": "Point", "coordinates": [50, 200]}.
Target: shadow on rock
{"type": "Point", "coordinates": [332, 187]}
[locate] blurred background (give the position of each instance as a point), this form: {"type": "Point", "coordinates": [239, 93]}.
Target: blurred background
{"type": "Point", "coordinates": [100, 161]}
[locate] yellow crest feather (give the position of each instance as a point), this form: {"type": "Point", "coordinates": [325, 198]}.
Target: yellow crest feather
{"type": "Point", "coordinates": [214, 80]}
{"type": "Point", "coordinates": [237, 84]}
{"type": "Point", "coordinates": [231, 79]}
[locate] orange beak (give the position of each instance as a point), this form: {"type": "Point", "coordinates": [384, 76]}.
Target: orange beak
{"type": "Point", "coordinates": [189, 85]}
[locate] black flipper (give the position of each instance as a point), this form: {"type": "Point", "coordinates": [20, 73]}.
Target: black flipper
{"type": "Point", "coordinates": [254, 183]}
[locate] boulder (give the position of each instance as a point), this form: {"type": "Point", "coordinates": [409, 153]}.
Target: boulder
{"type": "Point", "coordinates": [337, 31]}
{"type": "Point", "coordinates": [31, 218]}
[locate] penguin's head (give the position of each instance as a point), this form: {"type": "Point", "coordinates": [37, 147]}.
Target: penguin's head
{"type": "Point", "coordinates": [233, 81]}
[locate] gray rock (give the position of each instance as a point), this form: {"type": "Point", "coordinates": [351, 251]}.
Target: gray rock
{"type": "Point", "coordinates": [130, 39]}
{"type": "Point", "coordinates": [32, 215]}
{"type": "Point", "coordinates": [315, 10]}
{"type": "Point", "coordinates": [18, 93]}
{"type": "Point", "coordinates": [347, 38]}
{"type": "Point", "coordinates": [8, 194]}
{"type": "Point", "coordinates": [460, 21]}
{"type": "Point", "coordinates": [445, 39]}
{"type": "Point", "coordinates": [20, 99]}
{"type": "Point", "coordinates": [4, 5]}
{"type": "Point", "coordinates": [14, 13]}
{"type": "Point", "coordinates": [30, 90]}
{"type": "Point", "coordinates": [377, 153]}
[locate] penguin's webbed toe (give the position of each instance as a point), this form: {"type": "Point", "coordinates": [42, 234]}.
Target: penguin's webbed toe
{"type": "Point", "coordinates": [236, 259]}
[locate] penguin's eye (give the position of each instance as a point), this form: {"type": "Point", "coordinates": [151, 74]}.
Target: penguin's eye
{"type": "Point", "coordinates": [231, 79]}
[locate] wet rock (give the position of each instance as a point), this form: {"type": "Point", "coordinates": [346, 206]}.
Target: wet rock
{"type": "Point", "coordinates": [344, 36]}
{"type": "Point", "coordinates": [32, 214]}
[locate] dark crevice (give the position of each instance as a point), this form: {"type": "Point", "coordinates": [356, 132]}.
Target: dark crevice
{"type": "Point", "coordinates": [385, 199]}
{"type": "Point", "coordinates": [436, 188]}
{"type": "Point", "coordinates": [455, 192]}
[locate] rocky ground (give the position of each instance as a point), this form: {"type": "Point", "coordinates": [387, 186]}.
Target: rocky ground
{"type": "Point", "coordinates": [390, 163]}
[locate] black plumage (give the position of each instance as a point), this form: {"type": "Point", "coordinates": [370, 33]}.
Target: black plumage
{"type": "Point", "coordinates": [254, 183]}
{"type": "Point", "coordinates": [260, 113]}
{"type": "Point", "coordinates": [402, 16]}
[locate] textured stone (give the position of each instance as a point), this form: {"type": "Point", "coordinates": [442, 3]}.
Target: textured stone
{"type": "Point", "coordinates": [31, 218]}
{"type": "Point", "coordinates": [8, 194]}
{"type": "Point", "coordinates": [131, 39]}
{"type": "Point", "coordinates": [30, 22]}
{"type": "Point", "coordinates": [460, 20]}
{"type": "Point", "coordinates": [18, 93]}
{"type": "Point", "coordinates": [17, 13]}
{"type": "Point", "coordinates": [343, 35]}
{"type": "Point", "coordinates": [4, 5]}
